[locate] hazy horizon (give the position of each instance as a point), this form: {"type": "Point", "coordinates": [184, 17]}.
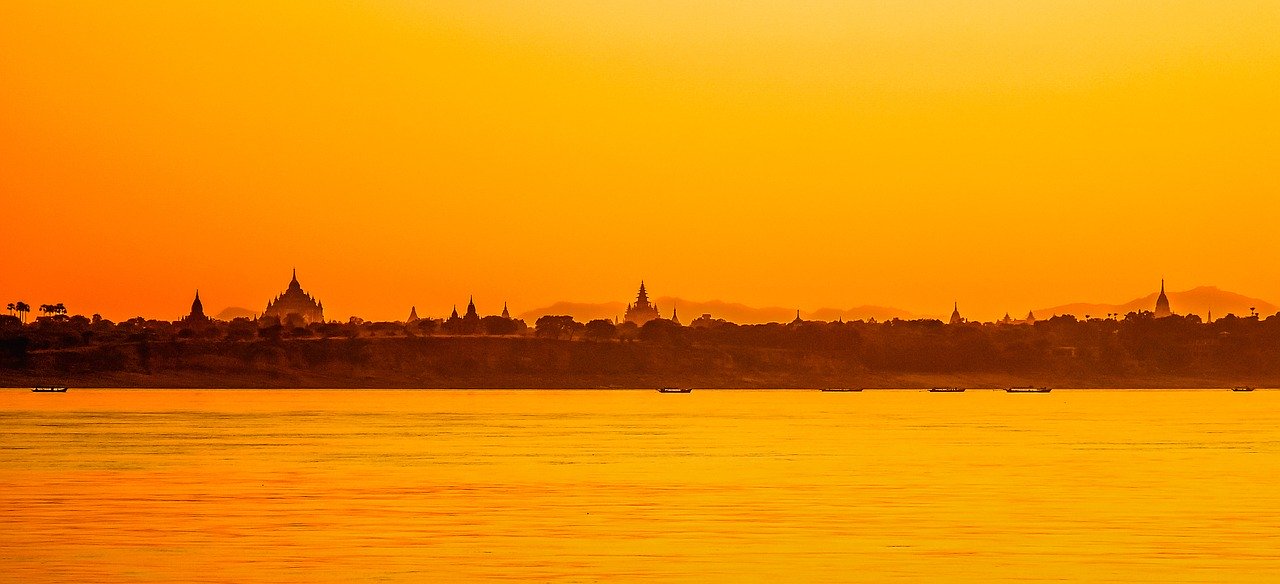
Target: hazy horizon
{"type": "Point", "coordinates": [728, 309]}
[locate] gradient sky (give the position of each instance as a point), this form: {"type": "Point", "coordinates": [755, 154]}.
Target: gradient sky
{"type": "Point", "coordinates": [1010, 154]}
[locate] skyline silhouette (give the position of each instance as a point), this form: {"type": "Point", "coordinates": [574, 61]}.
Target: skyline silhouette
{"type": "Point", "coordinates": [297, 304]}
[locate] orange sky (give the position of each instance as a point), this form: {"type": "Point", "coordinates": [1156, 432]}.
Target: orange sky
{"type": "Point", "coordinates": [1006, 153]}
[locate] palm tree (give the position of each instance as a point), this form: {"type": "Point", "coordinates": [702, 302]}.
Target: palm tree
{"type": "Point", "coordinates": [59, 309]}
{"type": "Point", "coordinates": [22, 308]}
{"type": "Point", "coordinates": [11, 308]}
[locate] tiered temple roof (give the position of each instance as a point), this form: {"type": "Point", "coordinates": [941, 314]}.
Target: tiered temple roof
{"type": "Point", "coordinates": [642, 310]}
{"type": "Point", "coordinates": [295, 304]}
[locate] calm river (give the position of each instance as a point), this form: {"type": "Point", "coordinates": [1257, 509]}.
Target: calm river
{"type": "Point", "coordinates": [636, 486]}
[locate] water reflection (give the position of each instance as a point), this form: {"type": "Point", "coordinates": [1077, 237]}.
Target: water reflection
{"type": "Point", "coordinates": [301, 486]}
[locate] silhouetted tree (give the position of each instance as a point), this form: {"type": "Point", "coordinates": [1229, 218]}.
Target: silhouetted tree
{"type": "Point", "coordinates": [600, 330]}
{"type": "Point", "coordinates": [556, 327]}
{"type": "Point", "coordinates": [497, 325]}
{"type": "Point", "coordinates": [660, 330]}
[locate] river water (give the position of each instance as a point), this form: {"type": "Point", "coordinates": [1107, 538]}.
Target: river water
{"type": "Point", "coordinates": [636, 486]}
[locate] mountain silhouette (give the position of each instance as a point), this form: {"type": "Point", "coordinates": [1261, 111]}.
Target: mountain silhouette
{"type": "Point", "coordinates": [233, 312]}
{"type": "Point", "coordinates": [730, 311]}
{"type": "Point", "coordinates": [1198, 300]}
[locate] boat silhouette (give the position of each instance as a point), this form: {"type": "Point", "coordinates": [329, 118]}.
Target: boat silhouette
{"type": "Point", "coordinates": [49, 390]}
{"type": "Point", "coordinates": [840, 389]}
{"type": "Point", "coordinates": [1028, 389]}
{"type": "Point", "coordinates": [1242, 388]}
{"type": "Point", "coordinates": [675, 390]}
{"type": "Point", "coordinates": [946, 390]}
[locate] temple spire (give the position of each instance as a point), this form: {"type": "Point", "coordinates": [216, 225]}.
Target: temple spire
{"type": "Point", "coordinates": [1162, 303]}
{"type": "Point", "coordinates": [197, 307]}
{"type": "Point", "coordinates": [642, 310]}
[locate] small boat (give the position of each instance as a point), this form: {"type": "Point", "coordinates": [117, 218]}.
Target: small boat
{"type": "Point", "coordinates": [49, 390]}
{"type": "Point", "coordinates": [946, 390]}
{"type": "Point", "coordinates": [675, 390]}
{"type": "Point", "coordinates": [840, 389]}
{"type": "Point", "coordinates": [1242, 388]}
{"type": "Point", "coordinates": [1028, 389]}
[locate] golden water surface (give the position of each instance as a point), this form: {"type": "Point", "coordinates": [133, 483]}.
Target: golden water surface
{"type": "Point", "coordinates": [616, 486]}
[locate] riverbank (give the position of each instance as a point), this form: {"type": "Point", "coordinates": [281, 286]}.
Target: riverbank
{"type": "Point", "coordinates": [532, 363]}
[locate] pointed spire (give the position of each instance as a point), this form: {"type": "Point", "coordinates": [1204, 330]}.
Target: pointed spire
{"type": "Point", "coordinates": [455, 311]}
{"type": "Point", "coordinates": [1162, 303]}
{"type": "Point", "coordinates": [505, 314]}
{"type": "Point", "coordinates": [197, 307]}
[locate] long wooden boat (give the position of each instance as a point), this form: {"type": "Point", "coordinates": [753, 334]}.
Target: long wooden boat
{"type": "Point", "coordinates": [946, 390]}
{"type": "Point", "coordinates": [1028, 389]}
{"type": "Point", "coordinates": [1242, 388]}
{"type": "Point", "coordinates": [840, 389]}
{"type": "Point", "coordinates": [675, 390]}
{"type": "Point", "coordinates": [49, 390]}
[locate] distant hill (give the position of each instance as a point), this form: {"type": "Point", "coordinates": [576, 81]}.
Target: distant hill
{"type": "Point", "coordinates": [580, 311]}
{"type": "Point", "coordinates": [234, 312]}
{"type": "Point", "coordinates": [1194, 301]}
{"type": "Point", "coordinates": [730, 311]}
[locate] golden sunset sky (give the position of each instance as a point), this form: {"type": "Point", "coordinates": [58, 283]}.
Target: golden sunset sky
{"type": "Point", "coordinates": [1009, 154]}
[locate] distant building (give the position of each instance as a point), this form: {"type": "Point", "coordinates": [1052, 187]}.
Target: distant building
{"type": "Point", "coordinates": [197, 316]}
{"type": "Point", "coordinates": [674, 318]}
{"type": "Point", "coordinates": [295, 307]}
{"type": "Point", "coordinates": [955, 315]}
{"type": "Point", "coordinates": [505, 314]}
{"type": "Point", "coordinates": [706, 321]}
{"type": "Point", "coordinates": [471, 315]}
{"type": "Point", "coordinates": [1162, 303]}
{"type": "Point", "coordinates": [642, 310]}
{"type": "Point", "coordinates": [798, 321]}
{"type": "Point", "coordinates": [467, 324]}
{"type": "Point", "coordinates": [1030, 319]}
{"type": "Point", "coordinates": [413, 315]}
